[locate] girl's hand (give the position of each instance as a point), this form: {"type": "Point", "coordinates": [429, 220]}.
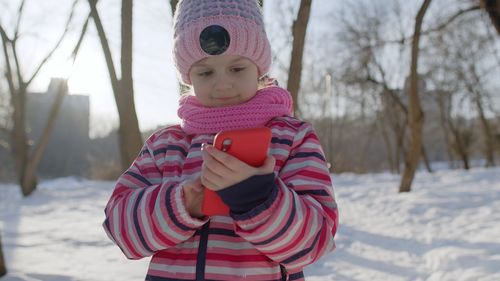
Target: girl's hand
{"type": "Point", "coordinates": [221, 170]}
{"type": "Point", "coordinates": [193, 196]}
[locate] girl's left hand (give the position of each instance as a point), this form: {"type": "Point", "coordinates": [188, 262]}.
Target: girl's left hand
{"type": "Point", "coordinates": [221, 170]}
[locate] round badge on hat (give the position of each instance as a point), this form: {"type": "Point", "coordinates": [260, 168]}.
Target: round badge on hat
{"type": "Point", "coordinates": [214, 40]}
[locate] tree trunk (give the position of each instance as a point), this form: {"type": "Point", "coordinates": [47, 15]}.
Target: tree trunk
{"type": "Point", "coordinates": [492, 7]}
{"type": "Point", "coordinates": [415, 113]}
{"type": "Point", "coordinates": [130, 139]}
{"type": "Point", "coordinates": [29, 180]}
{"type": "Point", "coordinates": [489, 148]}
{"type": "Point", "coordinates": [460, 146]}
{"type": "Point", "coordinates": [17, 97]}
{"type": "Point", "coordinates": [426, 160]}
{"type": "Point", "coordinates": [387, 142]}
{"type": "Point", "coordinates": [3, 266]}
{"type": "Point", "coordinates": [399, 135]}
{"type": "Point", "coordinates": [488, 135]}
{"type": "Point", "coordinates": [19, 138]}
{"type": "Point", "coordinates": [299, 29]}
{"type": "Point", "coordinates": [129, 125]}
{"type": "Point", "coordinates": [443, 117]}
{"type": "Point", "coordinates": [368, 137]}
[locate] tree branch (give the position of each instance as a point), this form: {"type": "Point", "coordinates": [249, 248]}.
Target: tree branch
{"type": "Point", "coordinates": [20, 80]}
{"type": "Point", "coordinates": [105, 46]}
{"type": "Point", "coordinates": [61, 38]}
{"type": "Point", "coordinates": [5, 40]}
{"type": "Point", "coordinates": [80, 40]}
{"type": "Point", "coordinates": [437, 28]}
{"type": "Point", "coordinates": [389, 91]}
{"type": "Point", "coordinates": [451, 19]}
{"type": "Point", "coordinates": [18, 23]}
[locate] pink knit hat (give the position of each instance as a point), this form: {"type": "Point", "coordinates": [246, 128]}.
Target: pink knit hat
{"type": "Point", "coordinates": [204, 28]}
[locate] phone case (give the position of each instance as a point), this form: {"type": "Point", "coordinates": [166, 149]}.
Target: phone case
{"type": "Point", "coordinates": [249, 146]}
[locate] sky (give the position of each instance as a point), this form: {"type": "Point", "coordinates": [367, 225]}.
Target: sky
{"type": "Point", "coordinates": [446, 229]}
{"type": "Point", "coordinates": [155, 78]}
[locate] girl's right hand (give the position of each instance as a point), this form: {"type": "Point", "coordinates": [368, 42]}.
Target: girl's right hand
{"type": "Point", "coordinates": [193, 196]}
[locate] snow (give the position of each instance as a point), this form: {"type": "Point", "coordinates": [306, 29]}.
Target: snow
{"type": "Point", "coordinates": [447, 228]}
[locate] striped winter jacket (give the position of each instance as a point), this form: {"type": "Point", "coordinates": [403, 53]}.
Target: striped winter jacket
{"type": "Point", "coordinates": [292, 228]}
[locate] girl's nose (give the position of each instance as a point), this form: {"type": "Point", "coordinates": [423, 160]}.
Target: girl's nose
{"type": "Point", "coordinates": [223, 83]}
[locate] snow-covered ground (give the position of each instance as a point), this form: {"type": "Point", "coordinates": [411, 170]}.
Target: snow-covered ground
{"type": "Point", "coordinates": [447, 228]}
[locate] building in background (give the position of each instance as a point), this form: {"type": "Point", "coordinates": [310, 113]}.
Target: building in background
{"type": "Point", "coordinates": [67, 151]}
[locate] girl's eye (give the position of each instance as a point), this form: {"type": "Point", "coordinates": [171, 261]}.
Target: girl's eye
{"type": "Point", "coordinates": [205, 73]}
{"type": "Point", "coordinates": [238, 69]}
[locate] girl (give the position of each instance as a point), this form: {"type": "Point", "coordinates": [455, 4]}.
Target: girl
{"type": "Point", "coordinates": [283, 215]}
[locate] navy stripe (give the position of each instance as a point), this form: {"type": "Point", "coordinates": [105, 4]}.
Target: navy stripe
{"type": "Point", "coordinates": [222, 231]}
{"type": "Point", "coordinates": [170, 211]}
{"type": "Point", "coordinates": [136, 220]}
{"type": "Point", "coordinates": [138, 177]}
{"type": "Point", "coordinates": [106, 223]}
{"type": "Point", "coordinates": [303, 252]}
{"type": "Point", "coordinates": [170, 147]}
{"type": "Point", "coordinates": [144, 151]}
{"type": "Point", "coordinates": [284, 229]}
{"type": "Point", "coordinates": [196, 145]}
{"type": "Point", "coordinates": [159, 151]}
{"type": "Point", "coordinates": [319, 192]}
{"type": "Point", "coordinates": [296, 276]}
{"type": "Point", "coordinates": [281, 141]}
{"type": "Point", "coordinates": [307, 154]}
{"type": "Point", "coordinates": [201, 258]}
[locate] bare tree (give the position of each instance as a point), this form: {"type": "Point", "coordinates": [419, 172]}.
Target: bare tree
{"type": "Point", "coordinates": [4, 115]}
{"type": "Point", "coordinates": [299, 29]}
{"type": "Point", "coordinates": [415, 113]}
{"type": "Point", "coordinates": [26, 163]}
{"type": "Point", "coordinates": [364, 34]}
{"type": "Point", "coordinates": [478, 100]}
{"type": "Point", "coordinates": [456, 135]}
{"type": "Point", "coordinates": [465, 50]}
{"type": "Point", "coordinates": [123, 88]}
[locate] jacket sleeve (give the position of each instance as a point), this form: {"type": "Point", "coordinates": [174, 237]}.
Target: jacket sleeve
{"type": "Point", "coordinates": [297, 222]}
{"type": "Point", "coordinates": [144, 214]}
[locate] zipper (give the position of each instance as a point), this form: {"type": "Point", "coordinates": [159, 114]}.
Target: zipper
{"type": "Point", "coordinates": [201, 258]}
{"type": "Point", "coordinates": [284, 275]}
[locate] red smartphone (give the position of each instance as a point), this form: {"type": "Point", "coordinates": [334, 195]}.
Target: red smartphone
{"type": "Point", "coordinates": [249, 146]}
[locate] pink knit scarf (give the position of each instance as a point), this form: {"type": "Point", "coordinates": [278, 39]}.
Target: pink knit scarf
{"type": "Point", "coordinates": [267, 103]}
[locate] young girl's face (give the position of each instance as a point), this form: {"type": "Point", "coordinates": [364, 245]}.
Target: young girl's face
{"type": "Point", "coordinates": [224, 80]}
